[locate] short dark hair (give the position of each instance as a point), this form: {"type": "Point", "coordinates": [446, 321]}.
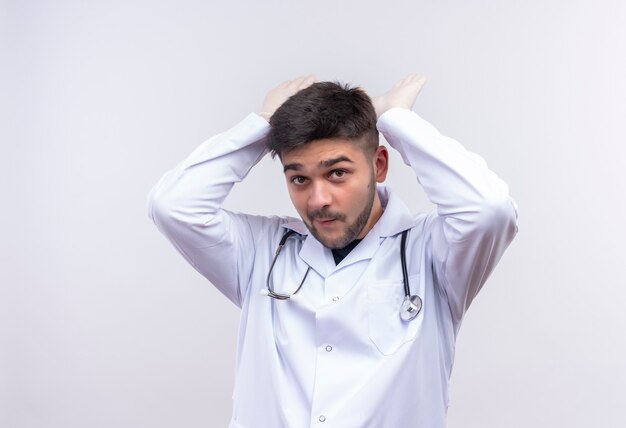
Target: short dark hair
{"type": "Point", "coordinates": [323, 110]}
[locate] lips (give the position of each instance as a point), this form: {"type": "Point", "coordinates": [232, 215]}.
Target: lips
{"type": "Point", "coordinates": [325, 221]}
{"type": "Point", "coordinates": [325, 217]}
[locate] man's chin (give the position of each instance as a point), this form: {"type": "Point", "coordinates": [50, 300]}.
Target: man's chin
{"type": "Point", "coordinates": [328, 241]}
{"type": "Point", "coordinates": [334, 243]}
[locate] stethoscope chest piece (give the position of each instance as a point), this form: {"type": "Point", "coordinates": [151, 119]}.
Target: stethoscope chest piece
{"type": "Point", "coordinates": [411, 306]}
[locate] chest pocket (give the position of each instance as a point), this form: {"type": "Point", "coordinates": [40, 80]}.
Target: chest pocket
{"type": "Point", "coordinates": [386, 330]}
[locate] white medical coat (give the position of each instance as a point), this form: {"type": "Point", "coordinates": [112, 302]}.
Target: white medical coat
{"type": "Point", "coordinates": [338, 355]}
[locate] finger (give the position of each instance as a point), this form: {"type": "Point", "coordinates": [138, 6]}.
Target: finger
{"type": "Point", "coordinates": [400, 82]}
{"type": "Point", "coordinates": [310, 79]}
{"type": "Point", "coordinates": [284, 84]}
{"type": "Point", "coordinates": [295, 83]}
{"type": "Point", "coordinates": [416, 78]}
{"type": "Point", "coordinates": [419, 82]}
{"type": "Point", "coordinates": [410, 79]}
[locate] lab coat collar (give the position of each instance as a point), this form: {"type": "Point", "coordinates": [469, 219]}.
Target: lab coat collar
{"type": "Point", "coordinates": [395, 219]}
{"type": "Point", "coordinates": [313, 252]}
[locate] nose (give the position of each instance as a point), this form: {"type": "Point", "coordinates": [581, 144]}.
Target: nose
{"type": "Point", "coordinates": [320, 196]}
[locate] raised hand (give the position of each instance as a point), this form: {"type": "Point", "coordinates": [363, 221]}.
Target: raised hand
{"type": "Point", "coordinates": [402, 94]}
{"type": "Point", "coordinates": [277, 96]}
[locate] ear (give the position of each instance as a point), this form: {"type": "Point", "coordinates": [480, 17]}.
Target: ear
{"type": "Point", "coordinates": [381, 163]}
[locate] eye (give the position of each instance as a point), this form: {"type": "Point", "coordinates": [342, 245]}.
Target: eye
{"type": "Point", "coordinates": [298, 180]}
{"type": "Point", "coordinates": [338, 173]}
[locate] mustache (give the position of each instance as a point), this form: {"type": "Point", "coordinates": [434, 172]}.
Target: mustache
{"type": "Point", "coordinates": [326, 214]}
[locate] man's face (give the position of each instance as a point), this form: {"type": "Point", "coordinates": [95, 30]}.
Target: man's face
{"type": "Point", "coordinates": [332, 184]}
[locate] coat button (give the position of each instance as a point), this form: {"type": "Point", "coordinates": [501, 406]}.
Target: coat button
{"type": "Point", "coordinates": [335, 298]}
{"type": "Point", "coordinates": [329, 348]}
{"type": "Point", "coordinates": [322, 418]}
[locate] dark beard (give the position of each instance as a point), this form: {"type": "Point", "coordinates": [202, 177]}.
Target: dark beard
{"type": "Point", "coordinates": [354, 229]}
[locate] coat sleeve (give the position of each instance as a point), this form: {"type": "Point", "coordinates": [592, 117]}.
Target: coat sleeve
{"type": "Point", "coordinates": [475, 218]}
{"type": "Point", "coordinates": [186, 206]}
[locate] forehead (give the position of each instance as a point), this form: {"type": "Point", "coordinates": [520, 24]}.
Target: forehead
{"type": "Point", "coordinates": [317, 152]}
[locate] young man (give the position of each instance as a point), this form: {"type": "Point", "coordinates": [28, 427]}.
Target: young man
{"type": "Point", "coordinates": [352, 321]}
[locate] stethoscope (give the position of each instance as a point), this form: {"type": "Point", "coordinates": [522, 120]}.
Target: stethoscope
{"type": "Point", "coordinates": [409, 309]}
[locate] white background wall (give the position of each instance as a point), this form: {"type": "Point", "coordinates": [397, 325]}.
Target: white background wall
{"type": "Point", "coordinates": [102, 323]}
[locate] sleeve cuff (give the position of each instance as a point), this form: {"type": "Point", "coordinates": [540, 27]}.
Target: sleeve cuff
{"type": "Point", "coordinates": [386, 122]}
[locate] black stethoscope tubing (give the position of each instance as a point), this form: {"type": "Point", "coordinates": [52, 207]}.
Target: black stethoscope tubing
{"type": "Point", "coordinates": [410, 307]}
{"type": "Point", "coordinates": [270, 290]}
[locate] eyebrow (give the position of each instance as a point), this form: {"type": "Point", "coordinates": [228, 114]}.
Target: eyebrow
{"type": "Point", "coordinates": [323, 164]}
{"type": "Point", "coordinates": [330, 162]}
